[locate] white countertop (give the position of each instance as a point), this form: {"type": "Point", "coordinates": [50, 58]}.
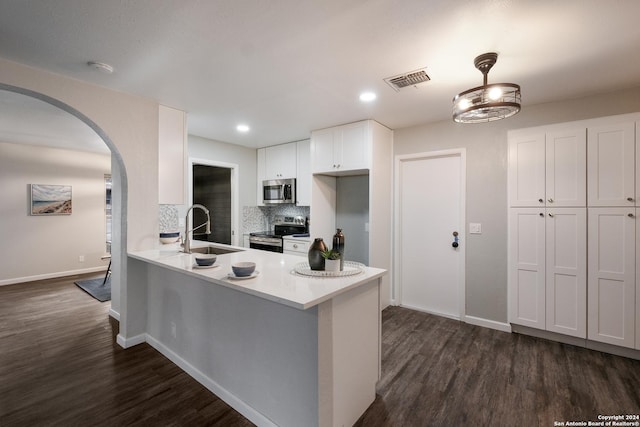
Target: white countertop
{"type": "Point", "coordinates": [276, 280]}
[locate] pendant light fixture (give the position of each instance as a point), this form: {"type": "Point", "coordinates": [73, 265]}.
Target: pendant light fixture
{"type": "Point", "coordinates": [488, 102]}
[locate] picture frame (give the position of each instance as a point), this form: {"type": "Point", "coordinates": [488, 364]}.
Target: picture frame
{"type": "Point", "coordinates": [49, 199]}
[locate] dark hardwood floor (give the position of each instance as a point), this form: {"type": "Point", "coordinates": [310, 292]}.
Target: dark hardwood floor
{"type": "Point", "coordinates": [60, 366]}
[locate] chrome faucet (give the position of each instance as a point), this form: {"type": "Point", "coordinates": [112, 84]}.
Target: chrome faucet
{"type": "Point", "coordinates": [187, 243]}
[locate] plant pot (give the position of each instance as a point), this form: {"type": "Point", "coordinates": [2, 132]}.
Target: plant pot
{"type": "Point", "coordinates": [332, 265]}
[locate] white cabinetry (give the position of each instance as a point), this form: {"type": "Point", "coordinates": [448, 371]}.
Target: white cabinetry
{"type": "Point", "coordinates": [547, 168]}
{"type": "Point", "coordinates": [612, 164]}
{"type": "Point", "coordinates": [341, 149]}
{"type": "Point", "coordinates": [547, 269]}
{"type": "Point", "coordinates": [295, 246]}
{"type": "Point", "coordinates": [172, 149]}
{"type": "Point", "coordinates": [303, 173]}
{"type": "Point", "coordinates": [359, 149]}
{"type": "Point", "coordinates": [526, 267]}
{"type": "Point", "coordinates": [612, 265]}
{"type": "Point", "coordinates": [280, 161]}
{"type": "Point", "coordinates": [566, 271]}
{"type": "Point", "coordinates": [582, 255]}
{"type": "Point", "coordinates": [261, 175]}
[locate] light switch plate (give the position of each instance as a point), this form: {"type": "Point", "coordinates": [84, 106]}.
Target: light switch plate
{"type": "Point", "coordinates": [475, 228]}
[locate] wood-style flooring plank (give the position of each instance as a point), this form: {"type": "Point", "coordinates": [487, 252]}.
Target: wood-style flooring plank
{"type": "Point", "coordinates": [60, 366]}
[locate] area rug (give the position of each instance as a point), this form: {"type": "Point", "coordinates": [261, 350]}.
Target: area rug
{"type": "Point", "coordinates": [96, 289]}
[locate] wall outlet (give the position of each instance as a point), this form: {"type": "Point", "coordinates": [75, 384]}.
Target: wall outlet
{"type": "Point", "coordinates": [174, 332]}
{"type": "Point", "coordinates": [81, 258]}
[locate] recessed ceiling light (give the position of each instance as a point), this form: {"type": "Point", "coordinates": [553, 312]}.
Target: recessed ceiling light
{"type": "Point", "coordinates": [367, 96]}
{"type": "Point", "coordinates": [101, 66]}
{"type": "Point", "coordinates": [242, 128]}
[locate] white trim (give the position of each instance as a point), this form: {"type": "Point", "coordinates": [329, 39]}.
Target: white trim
{"type": "Point", "coordinates": [235, 174]}
{"type": "Point", "coordinates": [55, 275]}
{"type": "Point", "coordinates": [435, 313]}
{"type": "Point", "coordinates": [247, 411]}
{"type": "Point", "coordinates": [396, 295]}
{"type": "Point", "coordinates": [486, 323]}
{"type": "Point", "coordinates": [114, 314]}
{"type": "Point", "coordinates": [130, 342]}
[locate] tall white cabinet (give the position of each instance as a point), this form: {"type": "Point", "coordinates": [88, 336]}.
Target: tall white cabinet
{"type": "Point", "coordinates": [362, 148]}
{"type": "Point", "coordinates": [573, 237]}
{"type": "Point", "coordinates": [547, 230]}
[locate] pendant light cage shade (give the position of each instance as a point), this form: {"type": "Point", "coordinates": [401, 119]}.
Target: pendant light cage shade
{"type": "Point", "coordinates": [488, 102]}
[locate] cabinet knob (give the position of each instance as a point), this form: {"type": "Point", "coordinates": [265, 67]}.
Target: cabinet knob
{"type": "Point", "coordinates": [551, 215]}
{"type": "Point", "coordinates": [550, 200]}
{"type": "Point", "coordinates": [541, 214]}
{"type": "Point", "coordinates": [541, 200]}
{"type": "Point", "coordinates": [295, 245]}
{"type": "Point", "coordinates": [630, 199]}
{"type": "Point", "coordinates": [630, 215]}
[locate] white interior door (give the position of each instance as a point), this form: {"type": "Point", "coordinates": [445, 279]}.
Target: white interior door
{"type": "Point", "coordinates": [429, 210]}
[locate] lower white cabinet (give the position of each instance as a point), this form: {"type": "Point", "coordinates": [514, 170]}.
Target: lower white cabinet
{"type": "Point", "coordinates": [547, 269]}
{"type": "Point", "coordinates": [527, 267]}
{"type": "Point", "coordinates": [566, 271]}
{"type": "Point", "coordinates": [295, 246]}
{"type": "Point", "coordinates": [612, 281]}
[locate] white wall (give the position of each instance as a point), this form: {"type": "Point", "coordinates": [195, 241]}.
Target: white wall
{"type": "Point", "coordinates": [244, 157]}
{"type": "Point", "coordinates": [130, 125]}
{"type": "Point", "coordinates": [486, 144]}
{"type": "Point", "coordinates": [48, 246]}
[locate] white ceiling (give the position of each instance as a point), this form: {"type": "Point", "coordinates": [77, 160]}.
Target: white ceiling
{"type": "Point", "coordinates": [285, 67]}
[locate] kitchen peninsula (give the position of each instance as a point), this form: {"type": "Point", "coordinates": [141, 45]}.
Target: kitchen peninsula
{"type": "Point", "coordinates": [281, 348]}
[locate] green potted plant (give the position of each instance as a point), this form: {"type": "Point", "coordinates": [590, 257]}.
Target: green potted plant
{"type": "Point", "coordinates": [331, 260]}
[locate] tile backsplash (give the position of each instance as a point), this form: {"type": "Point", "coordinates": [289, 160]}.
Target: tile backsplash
{"type": "Point", "coordinates": [254, 218]}
{"type": "Point", "coordinates": [168, 216]}
{"type": "Point", "coordinates": [261, 218]}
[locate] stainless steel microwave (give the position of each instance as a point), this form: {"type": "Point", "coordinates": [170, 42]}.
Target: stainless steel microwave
{"type": "Point", "coordinates": [276, 191]}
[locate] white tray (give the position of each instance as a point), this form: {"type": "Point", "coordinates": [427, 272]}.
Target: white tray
{"type": "Point", "coordinates": [351, 268]}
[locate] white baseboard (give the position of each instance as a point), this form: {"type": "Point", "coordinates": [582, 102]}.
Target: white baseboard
{"type": "Point", "coordinates": [237, 404]}
{"type": "Point", "coordinates": [130, 342]}
{"type": "Point", "coordinates": [114, 314]}
{"type": "Point", "coordinates": [55, 275]}
{"type": "Point", "coordinates": [486, 323]}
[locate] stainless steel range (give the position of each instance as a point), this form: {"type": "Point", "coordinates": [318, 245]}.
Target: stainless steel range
{"type": "Point", "coordinates": [272, 240]}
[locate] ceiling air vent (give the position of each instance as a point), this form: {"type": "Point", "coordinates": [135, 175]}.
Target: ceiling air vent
{"type": "Point", "coordinates": [412, 78]}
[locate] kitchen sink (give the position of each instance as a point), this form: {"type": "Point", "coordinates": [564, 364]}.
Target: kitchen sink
{"type": "Point", "coordinates": [213, 250]}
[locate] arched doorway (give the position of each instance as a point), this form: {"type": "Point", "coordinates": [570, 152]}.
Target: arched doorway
{"type": "Point", "coordinates": [119, 199]}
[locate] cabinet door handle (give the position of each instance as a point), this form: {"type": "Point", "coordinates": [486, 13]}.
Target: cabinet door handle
{"type": "Point", "coordinates": [630, 199]}
{"type": "Point", "coordinates": [541, 200]}
{"type": "Point", "coordinates": [550, 200]}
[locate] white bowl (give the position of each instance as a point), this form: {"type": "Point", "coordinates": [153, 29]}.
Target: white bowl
{"type": "Point", "coordinates": [243, 269]}
{"type": "Point", "coordinates": [205, 260]}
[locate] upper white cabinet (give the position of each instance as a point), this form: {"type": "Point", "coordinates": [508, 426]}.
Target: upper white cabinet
{"type": "Point", "coordinates": [547, 168]}
{"type": "Point", "coordinates": [303, 173]}
{"type": "Point", "coordinates": [342, 149]}
{"type": "Point", "coordinates": [611, 153]}
{"type": "Point", "coordinates": [172, 149]}
{"type": "Point", "coordinates": [280, 161]}
{"type": "Point", "coordinates": [612, 265]}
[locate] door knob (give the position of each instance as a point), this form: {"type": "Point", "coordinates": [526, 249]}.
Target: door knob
{"type": "Point", "coordinates": [455, 243]}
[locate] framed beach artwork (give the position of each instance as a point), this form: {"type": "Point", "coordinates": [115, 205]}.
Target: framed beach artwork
{"type": "Point", "coordinates": [50, 199]}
